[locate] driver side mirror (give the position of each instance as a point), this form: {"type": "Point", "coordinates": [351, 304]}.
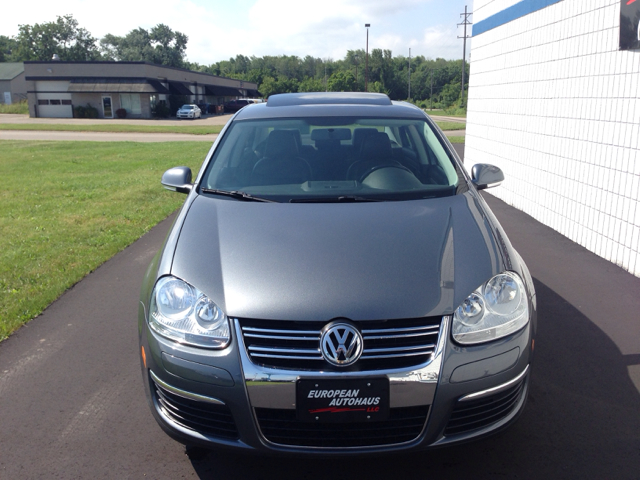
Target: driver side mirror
{"type": "Point", "coordinates": [484, 176]}
{"type": "Point", "coordinates": [177, 179]}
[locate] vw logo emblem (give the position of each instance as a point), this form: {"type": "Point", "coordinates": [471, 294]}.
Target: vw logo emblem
{"type": "Point", "coordinates": [341, 344]}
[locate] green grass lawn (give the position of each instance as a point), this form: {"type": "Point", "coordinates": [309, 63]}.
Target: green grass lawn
{"type": "Point", "coordinates": [442, 113]}
{"type": "Point", "coordinates": [444, 126]}
{"type": "Point", "coordinates": [67, 207]}
{"type": "Point", "coordinates": [456, 139]}
{"type": "Point", "coordinates": [110, 127]}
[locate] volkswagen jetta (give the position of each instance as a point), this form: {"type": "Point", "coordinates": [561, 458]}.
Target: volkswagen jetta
{"type": "Point", "coordinates": [335, 283]}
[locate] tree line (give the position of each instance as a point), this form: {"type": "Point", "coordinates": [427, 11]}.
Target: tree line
{"type": "Point", "coordinates": [433, 82]}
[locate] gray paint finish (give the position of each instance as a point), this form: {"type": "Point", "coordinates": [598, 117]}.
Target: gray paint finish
{"type": "Point", "coordinates": [321, 261]}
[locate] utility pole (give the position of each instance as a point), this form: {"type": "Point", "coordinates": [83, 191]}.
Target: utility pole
{"type": "Point", "coordinates": [431, 96]}
{"type": "Point", "coordinates": [356, 61]}
{"type": "Point", "coordinates": [325, 76]}
{"type": "Point", "coordinates": [465, 22]}
{"type": "Point", "coordinates": [366, 61]}
{"type": "Point", "coordinates": [409, 74]}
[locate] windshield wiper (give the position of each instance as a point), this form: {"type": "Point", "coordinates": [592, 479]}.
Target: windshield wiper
{"type": "Point", "coordinates": [340, 199]}
{"type": "Point", "coordinates": [247, 197]}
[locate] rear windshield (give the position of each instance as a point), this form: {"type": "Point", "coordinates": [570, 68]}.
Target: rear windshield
{"type": "Point", "coordinates": [332, 157]}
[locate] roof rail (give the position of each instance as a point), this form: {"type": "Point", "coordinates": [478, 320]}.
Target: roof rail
{"type": "Point", "coordinates": [327, 98]}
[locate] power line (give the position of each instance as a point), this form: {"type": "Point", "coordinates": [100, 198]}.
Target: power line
{"type": "Point", "coordinates": [465, 22]}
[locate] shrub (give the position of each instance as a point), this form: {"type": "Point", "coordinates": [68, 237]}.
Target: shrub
{"type": "Point", "coordinates": [455, 110]}
{"type": "Point", "coordinates": [121, 113]}
{"type": "Point", "coordinates": [20, 107]}
{"type": "Point", "coordinates": [85, 112]}
{"type": "Point", "coordinates": [90, 112]}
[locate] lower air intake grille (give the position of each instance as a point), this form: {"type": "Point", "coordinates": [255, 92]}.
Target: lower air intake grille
{"type": "Point", "coordinates": [282, 427]}
{"type": "Point", "coordinates": [475, 414]}
{"type": "Point", "coordinates": [205, 418]}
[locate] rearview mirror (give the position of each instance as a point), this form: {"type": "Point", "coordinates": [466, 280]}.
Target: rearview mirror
{"type": "Point", "coordinates": [177, 179]}
{"type": "Point", "coordinates": [484, 176]}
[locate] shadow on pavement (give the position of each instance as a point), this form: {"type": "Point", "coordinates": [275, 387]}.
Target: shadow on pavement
{"type": "Point", "coordinates": [581, 421]}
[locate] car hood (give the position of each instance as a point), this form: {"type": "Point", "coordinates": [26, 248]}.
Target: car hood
{"type": "Point", "coordinates": [382, 260]}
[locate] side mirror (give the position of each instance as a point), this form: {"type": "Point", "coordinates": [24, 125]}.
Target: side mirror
{"type": "Point", "coordinates": [484, 176]}
{"type": "Point", "coordinates": [177, 179]}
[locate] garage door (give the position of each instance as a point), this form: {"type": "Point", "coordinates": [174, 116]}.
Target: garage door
{"type": "Point", "coordinates": [55, 111]}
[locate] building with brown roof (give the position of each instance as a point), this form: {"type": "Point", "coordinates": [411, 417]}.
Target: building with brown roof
{"type": "Point", "coordinates": [55, 88]}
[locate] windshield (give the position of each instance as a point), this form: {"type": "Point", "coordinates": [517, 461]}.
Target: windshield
{"type": "Point", "coordinates": [332, 159]}
{"type": "Point", "coordinates": [187, 107]}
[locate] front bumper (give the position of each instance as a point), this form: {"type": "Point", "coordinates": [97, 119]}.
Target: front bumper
{"type": "Point", "coordinates": [222, 398]}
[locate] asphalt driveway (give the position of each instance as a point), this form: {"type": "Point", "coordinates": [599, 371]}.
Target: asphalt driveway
{"type": "Point", "coordinates": [72, 403]}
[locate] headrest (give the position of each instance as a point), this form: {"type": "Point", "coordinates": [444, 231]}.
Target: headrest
{"type": "Point", "coordinates": [281, 143]}
{"type": "Point", "coordinates": [331, 134]}
{"type": "Point", "coordinates": [359, 134]}
{"type": "Point", "coordinates": [376, 146]}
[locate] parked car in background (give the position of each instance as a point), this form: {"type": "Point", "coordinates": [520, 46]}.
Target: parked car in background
{"type": "Point", "coordinates": [189, 111]}
{"type": "Point", "coordinates": [335, 284]}
{"type": "Point", "coordinates": [206, 108]}
{"type": "Point", "coordinates": [233, 106]}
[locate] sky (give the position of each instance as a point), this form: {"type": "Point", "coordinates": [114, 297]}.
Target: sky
{"type": "Point", "coordinates": [220, 29]}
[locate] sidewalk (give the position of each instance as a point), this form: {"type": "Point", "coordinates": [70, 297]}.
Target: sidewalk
{"type": "Point", "coordinates": [35, 135]}
{"type": "Point", "coordinates": [207, 120]}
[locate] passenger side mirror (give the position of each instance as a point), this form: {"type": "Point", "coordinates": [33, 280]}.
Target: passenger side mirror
{"type": "Point", "coordinates": [177, 179]}
{"type": "Point", "coordinates": [484, 176]}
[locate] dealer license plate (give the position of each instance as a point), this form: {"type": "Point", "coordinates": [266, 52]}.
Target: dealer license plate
{"type": "Point", "coordinates": [343, 400]}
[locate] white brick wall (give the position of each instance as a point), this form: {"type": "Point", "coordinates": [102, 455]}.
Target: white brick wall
{"type": "Point", "coordinates": [554, 104]}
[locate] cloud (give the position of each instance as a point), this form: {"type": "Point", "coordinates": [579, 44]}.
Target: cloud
{"type": "Point", "coordinates": [219, 29]}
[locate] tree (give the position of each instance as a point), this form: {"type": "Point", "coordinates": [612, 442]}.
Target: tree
{"type": "Point", "coordinates": [387, 74]}
{"type": "Point", "coordinates": [310, 84]}
{"type": "Point", "coordinates": [355, 59]}
{"type": "Point", "coordinates": [7, 46]}
{"type": "Point", "coordinates": [63, 37]}
{"type": "Point", "coordinates": [161, 46]}
{"type": "Point", "coordinates": [341, 82]}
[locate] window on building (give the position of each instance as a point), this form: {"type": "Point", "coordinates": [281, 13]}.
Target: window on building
{"type": "Point", "coordinates": [55, 102]}
{"type": "Point", "coordinates": [43, 102]}
{"type": "Point", "coordinates": [131, 103]}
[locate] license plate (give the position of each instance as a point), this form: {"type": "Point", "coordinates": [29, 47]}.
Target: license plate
{"type": "Point", "coordinates": [343, 400]}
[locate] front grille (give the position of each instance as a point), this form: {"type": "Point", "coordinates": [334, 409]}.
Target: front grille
{"type": "Point", "coordinates": [296, 345]}
{"type": "Point", "coordinates": [476, 414]}
{"type": "Point", "coordinates": [282, 427]}
{"type": "Point", "coordinates": [205, 418]}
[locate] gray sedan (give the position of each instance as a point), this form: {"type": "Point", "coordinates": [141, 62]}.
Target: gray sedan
{"type": "Point", "coordinates": [335, 284]}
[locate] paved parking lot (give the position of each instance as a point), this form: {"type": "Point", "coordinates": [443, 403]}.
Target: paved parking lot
{"type": "Point", "coordinates": [72, 403]}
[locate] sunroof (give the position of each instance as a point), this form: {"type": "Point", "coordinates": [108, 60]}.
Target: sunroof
{"type": "Point", "coordinates": [328, 98]}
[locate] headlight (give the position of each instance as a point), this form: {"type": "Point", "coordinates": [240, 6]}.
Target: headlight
{"type": "Point", "coordinates": [496, 309]}
{"type": "Point", "coordinates": [182, 313]}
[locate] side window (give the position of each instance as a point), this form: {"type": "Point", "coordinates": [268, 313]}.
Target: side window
{"type": "Point", "coordinates": [392, 136]}
{"type": "Point", "coordinates": [405, 139]}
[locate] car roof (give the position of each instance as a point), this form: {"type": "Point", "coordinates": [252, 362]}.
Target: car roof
{"type": "Point", "coordinates": [328, 104]}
